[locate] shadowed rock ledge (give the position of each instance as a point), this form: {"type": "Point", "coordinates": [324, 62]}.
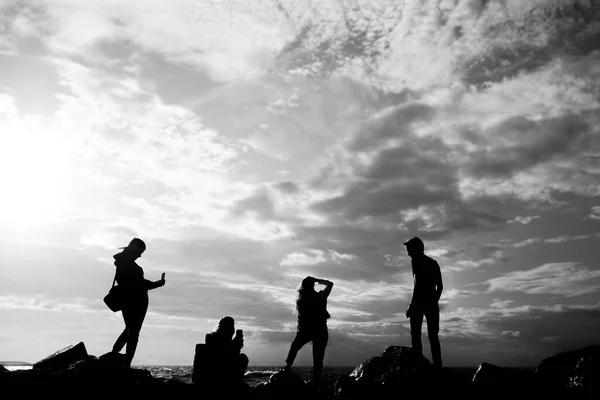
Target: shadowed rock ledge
{"type": "Point", "coordinates": [72, 373]}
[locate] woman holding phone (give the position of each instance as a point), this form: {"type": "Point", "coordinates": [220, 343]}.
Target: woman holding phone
{"type": "Point", "coordinates": [130, 277]}
{"type": "Point", "coordinates": [227, 361]}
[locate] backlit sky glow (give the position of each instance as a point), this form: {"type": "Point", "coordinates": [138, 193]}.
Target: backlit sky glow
{"type": "Point", "coordinates": [253, 143]}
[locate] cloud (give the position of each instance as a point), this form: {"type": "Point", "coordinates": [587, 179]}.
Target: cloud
{"type": "Point", "coordinates": [296, 259]}
{"type": "Point", "coordinates": [392, 123]}
{"type": "Point", "coordinates": [501, 304]}
{"type": "Point", "coordinates": [565, 279]}
{"type": "Point", "coordinates": [526, 242]}
{"type": "Point", "coordinates": [551, 240]}
{"type": "Point", "coordinates": [524, 220]}
{"type": "Point", "coordinates": [287, 187]}
{"type": "Point", "coordinates": [433, 43]}
{"type": "Point", "coordinates": [534, 143]}
{"type": "Point", "coordinates": [595, 213]}
{"type": "Point", "coordinates": [39, 303]}
{"type": "Point", "coordinates": [457, 293]}
{"type": "Point", "coordinates": [227, 52]}
{"type": "Point", "coordinates": [259, 203]}
{"type": "Point", "coordinates": [397, 179]}
{"type": "Point", "coordinates": [489, 255]}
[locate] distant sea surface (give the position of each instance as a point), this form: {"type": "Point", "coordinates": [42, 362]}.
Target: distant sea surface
{"type": "Point", "coordinates": [18, 367]}
{"type": "Point", "coordinates": [254, 375]}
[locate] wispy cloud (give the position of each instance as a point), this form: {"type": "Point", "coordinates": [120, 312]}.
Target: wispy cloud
{"type": "Point", "coordinates": [551, 240]}
{"type": "Point", "coordinates": [595, 213]}
{"type": "Point", "coordinates": [524, 220]}
{"type": "Point", "coordinates": [565, 279]}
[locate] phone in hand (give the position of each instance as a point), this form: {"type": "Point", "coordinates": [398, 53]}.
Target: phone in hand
{"type": "Point", "coordinates": [162, 277]}
{"type": "Point", "coordinates": [239, 333]}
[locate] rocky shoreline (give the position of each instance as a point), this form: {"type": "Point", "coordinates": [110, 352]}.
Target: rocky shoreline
{"type": "Point", "coordinates": [72, 372]}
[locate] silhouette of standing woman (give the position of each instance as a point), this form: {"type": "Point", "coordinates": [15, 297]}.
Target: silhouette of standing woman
{"type": "Point", "coordinates": [311, 307]}
{"type": "Point", "coordinates": [130, 277]}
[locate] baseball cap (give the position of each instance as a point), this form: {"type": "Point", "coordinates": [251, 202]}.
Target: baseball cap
{"type": "Point", "coordinates": [415, 243]}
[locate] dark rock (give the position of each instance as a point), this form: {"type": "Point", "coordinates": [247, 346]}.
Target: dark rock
{"type": "Point", "coordinates": [586, 376]}
{"type": "Point", "coordinates": [396, 363]}
{"type": "Point", "coordinates": [3, 368]}
{"type": "Point", "coordinates": [489, 375]}
{"type": "Point", "coordinates": [394, 359]}
{"type": "Point", "coordinates": [345, 387]}
{"type": "Point", "coordinates": [492, 378]}
{"type": "Point", "coordinates": [396, 370]}
{"type": "Point", "coordinates": [556, 372]}
{"type": "Point", "coordinates": [102, 376]}
{"type": "Point", "coordinates": [63, 357]}
{"type": "Point", "coordinates": [284, 385]}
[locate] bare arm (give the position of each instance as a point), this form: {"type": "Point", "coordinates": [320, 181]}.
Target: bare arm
{"type": "Point", "coordinates": [328, 286]}
{"type": "Point", "coordinates": [410, 302]}
{"type": "Point", "coordinates": [153, 285]}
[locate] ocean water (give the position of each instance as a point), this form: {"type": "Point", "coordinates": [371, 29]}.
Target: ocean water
{"type": "Point", "coordinates": [18, 367]}
{"type": "Point", "coordinates": [253, 376]}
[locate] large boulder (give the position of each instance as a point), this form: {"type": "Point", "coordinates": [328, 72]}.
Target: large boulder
{"type": "Point", "coordinates": [345, 387]}
{"type": "Point", "coordinates": [556, 372]}
{"type": "Point", "coordinates": [3, 368]}
{"type": "Point", "coordinates": [586, 376]}
{"type": "Point", "coordinates": [102, 376]}
{"type": "Point", "coordinates": [396, 370]}
{"type": "Point", "coordinates": [283, 385]}
{"type": "Point", "coordinates": [395, 362]}
{"type": "Point", "coordinates": [63, 357]}
{"type": "Point", "coordinates": [491, 378]}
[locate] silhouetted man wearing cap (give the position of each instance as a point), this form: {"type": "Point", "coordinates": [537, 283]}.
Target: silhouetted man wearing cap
{"type": "Point", "coordinates": [426, 294]}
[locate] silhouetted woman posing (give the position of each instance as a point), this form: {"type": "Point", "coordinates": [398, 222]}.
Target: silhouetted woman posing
{"type": "Point", "coordinates": [311, 307]}
{"type": "Point", "coordinates": [130, 277]}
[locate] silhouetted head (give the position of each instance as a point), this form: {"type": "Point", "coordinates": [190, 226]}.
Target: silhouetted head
{"type": "Point", "coordinates": [307, 284]}
{"type": "Point", "coordinates": [226, 326]}
{"type": "Point", "coordinates": [135, 248]}
{"type": "Point", "coordinates": [415, 247]}
{"type": "Point", "coordinates": [307, 288]}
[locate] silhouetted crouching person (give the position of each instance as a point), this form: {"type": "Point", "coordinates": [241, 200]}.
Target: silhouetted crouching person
{"type": "Point", "coordinates": [130, 277]}
{"type": "Point", "coordinates": [424, 303]}
{"type": "Point", "coordinates": [226, 362]}
{"type": "Point", "coordinates": [311, 307]}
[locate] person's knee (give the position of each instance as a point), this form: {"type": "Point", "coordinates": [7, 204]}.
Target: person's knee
{"type": "Point", "coordinates": [433, 338]}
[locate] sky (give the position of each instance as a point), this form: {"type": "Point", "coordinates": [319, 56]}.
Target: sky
{"type": "Point", "coordinates": [251, 144]}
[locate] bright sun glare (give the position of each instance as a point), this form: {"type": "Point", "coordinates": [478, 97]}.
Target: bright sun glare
{"type": "Point", "coordinates": [34, 177]}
